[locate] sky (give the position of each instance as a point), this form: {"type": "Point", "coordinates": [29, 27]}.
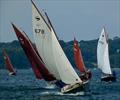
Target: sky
{"type": "Point", "coordinates": [83, 19]}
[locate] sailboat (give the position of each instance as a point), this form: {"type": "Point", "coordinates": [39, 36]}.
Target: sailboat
{"type": "Point", "coordinates": [52, 54]}
{"type": "Point", "coordinates": [103, 57]}
{"type": "Point", "coordinates": [85, 74]}
{"type": "Point", "coordinates": [8, 63]}
{"type": "Point", "coordinates": [38, 66]}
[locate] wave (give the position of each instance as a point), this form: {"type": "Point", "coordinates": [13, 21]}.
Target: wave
{"type": "Point", "coordinates": [57, 93]}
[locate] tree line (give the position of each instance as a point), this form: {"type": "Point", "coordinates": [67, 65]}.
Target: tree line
{"type": "Point", "coordinates": [88, 49]}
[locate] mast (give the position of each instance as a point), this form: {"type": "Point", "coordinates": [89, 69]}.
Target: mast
{"type": "Point", "coordinates": [35, 59]}
{"type": "Point", "coordinates": [51, 25]}
{"type": "Point", "coordinates": [78, 57]}
{"type": "Point", "coordinates": [103, 53]}
{"type": "Point", "coordinates": [8, 63]}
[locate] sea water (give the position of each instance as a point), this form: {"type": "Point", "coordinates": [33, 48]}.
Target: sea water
{"type": "Point", "coordinates": [24, 86]}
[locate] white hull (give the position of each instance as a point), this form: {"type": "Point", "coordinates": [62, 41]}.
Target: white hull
{"type": "Point", "coordinates": [12, 73]}
{"type": "Point", "coordinates": [73, 88]}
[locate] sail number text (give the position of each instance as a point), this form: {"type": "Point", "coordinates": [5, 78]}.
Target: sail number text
{"type": "Point", "coordinates": [39, 31]}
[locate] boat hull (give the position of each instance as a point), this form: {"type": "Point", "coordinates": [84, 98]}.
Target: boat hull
{"type": "Point", "coordinates": [78, 87]}
{"type": "Point", "coordinates": [12, 73]}
{"type": "Point", "coordinates": [86, 76]}
{"type": "Point", "coordinates": [108, 78]}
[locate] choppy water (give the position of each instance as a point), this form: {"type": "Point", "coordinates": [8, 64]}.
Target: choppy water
{"type": "Point", "coordinates": [24, 86]}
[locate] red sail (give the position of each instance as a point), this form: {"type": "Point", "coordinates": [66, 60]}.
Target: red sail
{"type": "Point", "coordinates": [8, 63]}
{"type": "Point", "coordinates": [78, 57]}
{"type": "Point", "coordinates": [38, 65]}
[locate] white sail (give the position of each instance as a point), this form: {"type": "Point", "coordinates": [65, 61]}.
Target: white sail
{"type": "Point", "coordinates": [66, 71]}
{"type": "Point", "coordinates": [107, 68]}
{"type": "Point", "coordinates": [43, 40]}
{"type": "Point", "coordinates": [103, 54]}
{"type": "Point", "coordinates": [51, 51]}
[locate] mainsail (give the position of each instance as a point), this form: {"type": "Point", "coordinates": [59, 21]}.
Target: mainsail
{"type": "Point", "coordinates": [50, 49]}
{"type": "Point", "coordinates": [78, 57]}
{"type": "Point", "coordinates": [35, 59]}
{"type": "Point", "coordinates": [103, 53]}
{"type": "Point", "coordinates": [8, 63]}
{"type": "Point", "coordinates": [43, 40]}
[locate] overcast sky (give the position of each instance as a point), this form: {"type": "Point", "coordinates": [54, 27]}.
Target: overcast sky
{"type": "Point", "coordinates": [83, 19]}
